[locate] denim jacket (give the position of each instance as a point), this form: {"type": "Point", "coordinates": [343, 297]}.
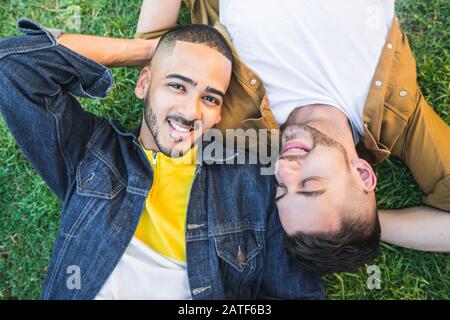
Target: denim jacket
{"type": "Point", "coordinates": [234, 239]}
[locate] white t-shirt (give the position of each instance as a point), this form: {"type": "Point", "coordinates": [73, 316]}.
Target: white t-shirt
{"type": "Point", "coordinates": [143, 273]}
{"type": "Point", "coordinates": [311, 51]}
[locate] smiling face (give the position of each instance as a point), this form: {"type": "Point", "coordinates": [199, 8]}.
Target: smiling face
{"type": "Point", "coordinates": [316, 181]}
{"type": "Point", "coordinates": [185, 85]}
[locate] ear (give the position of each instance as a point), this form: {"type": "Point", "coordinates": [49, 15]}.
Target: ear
{"type": "Point", "coordinates": [366, 173]}
{"type": "Point", "coordinates": [143, 82]}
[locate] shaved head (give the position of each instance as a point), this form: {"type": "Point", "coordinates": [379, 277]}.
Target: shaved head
{"type": "Point", "coordinates": [193, 33]}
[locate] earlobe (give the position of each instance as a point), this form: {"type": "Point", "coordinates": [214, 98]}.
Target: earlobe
{"type": "Point", "coordinates": [143, 83]}
{"type": "Point", "coordinates": [366, 174]}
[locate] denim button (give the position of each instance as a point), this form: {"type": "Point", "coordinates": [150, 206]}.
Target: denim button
{"type": "Point", "coordinates": [240, 256]}
{"type": "Point", "coordinates": [197, 291]}
{"type": "Point", "coordinates": [192, 226]}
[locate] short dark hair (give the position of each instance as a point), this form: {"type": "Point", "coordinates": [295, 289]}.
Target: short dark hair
{"type": "Point", "coordinates": [196, 33]}
{"type": "Point", "coordinates": [356, 243]}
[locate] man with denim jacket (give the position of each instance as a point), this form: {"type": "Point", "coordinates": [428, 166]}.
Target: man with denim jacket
{"type": "Point", "coordinates": [102, 175]}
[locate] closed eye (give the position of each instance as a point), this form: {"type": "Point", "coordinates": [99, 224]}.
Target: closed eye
{"type": "Point", "coordinates": [311, 181]}
{"type": "Point", "coordinates": [315, 193]}
{"type": "Point", "coordinates": [312, 193]}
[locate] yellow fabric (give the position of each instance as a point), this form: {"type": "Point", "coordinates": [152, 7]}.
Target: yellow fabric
{"type": "Point", "coordinates": [163, 220]}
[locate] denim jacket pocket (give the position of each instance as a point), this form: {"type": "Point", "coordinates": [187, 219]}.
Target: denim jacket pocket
{"type": "Point", "coordinates": [96, 177]}
{"type": "Point", "coordinates": [238, 248]}
{"type": "Point", "coordinates": [98, 185]}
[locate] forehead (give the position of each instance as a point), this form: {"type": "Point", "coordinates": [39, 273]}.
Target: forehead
{"type": "Point", "coordinates": [309, 214]}
{"type": "Point", "coordinates": [197, 62]}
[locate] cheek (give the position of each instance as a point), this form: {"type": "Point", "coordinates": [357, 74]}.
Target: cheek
{"type": "Point", "coordinates": [326, 165]}
{"type": "Point", "coordinates": [211, 116]}
{"type": "Point", "coordinates": [160, 106]}
{"type": "Point", "coordinates": [289, 221]}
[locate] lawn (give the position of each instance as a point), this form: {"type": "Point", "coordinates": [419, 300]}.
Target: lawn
{"type": "Point", "coordinates": [30, 212]}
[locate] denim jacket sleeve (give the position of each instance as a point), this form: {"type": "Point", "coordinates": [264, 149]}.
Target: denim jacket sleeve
{"type": "Point", "coordinates": [37, 78]}
{"type": "Point", "coordinates": [282, 279]}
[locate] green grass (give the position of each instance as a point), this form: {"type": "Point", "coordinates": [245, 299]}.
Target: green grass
{"type": "Point", "coordinates": [30, 212]}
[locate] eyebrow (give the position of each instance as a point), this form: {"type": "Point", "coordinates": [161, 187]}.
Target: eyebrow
{"type": "Point", "coordinates": [218, 92]}
{"type": "Point", "coordinates": [182, 78]}
{"type": "Point", "coordinates": [305, 193]}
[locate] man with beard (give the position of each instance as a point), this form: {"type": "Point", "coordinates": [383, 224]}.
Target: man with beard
{"type": "Point", "coordinates": [137, 222]}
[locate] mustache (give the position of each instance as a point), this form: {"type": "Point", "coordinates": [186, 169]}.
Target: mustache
{"type": "Point", "coordinates": [181, 120]}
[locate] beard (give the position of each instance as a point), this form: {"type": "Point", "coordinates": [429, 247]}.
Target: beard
{"type": "Point", "coordinates": [152, 123]}
{"type": "Point", "coordinates": [318, 138]}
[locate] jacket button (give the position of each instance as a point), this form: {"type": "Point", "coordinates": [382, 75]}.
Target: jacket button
{"type": "Point", "coordinates": [197, 291]}
{"type": "Point", "coordinates": [403, 93]}
{"type": "Point", "coordinates": [192, 226]}
{"type": "Point", "coordinates": [389, 45]}
{"type": "Point", "coordinates": [378, 83]}
{"type": "Point", "coordinates": [240, 256]}
{"type": "Point", "coordinates": [253, 82]}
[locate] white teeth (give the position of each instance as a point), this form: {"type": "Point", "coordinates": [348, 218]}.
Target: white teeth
{"type": "Point", "coordinates": [178, 128]}
{"type": "Point", "coordinates": [296, 150]}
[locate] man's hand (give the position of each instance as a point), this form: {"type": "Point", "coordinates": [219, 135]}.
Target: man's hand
{"type": "Point", "coordinates": [111, 52]}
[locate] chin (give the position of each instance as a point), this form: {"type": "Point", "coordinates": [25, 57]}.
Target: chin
{"type": "Point", "coordinates": [175, 149]}
{"type": "Point", "coordinates": [178, 150]}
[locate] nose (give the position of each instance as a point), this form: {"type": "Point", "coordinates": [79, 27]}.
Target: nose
{"type": "Point", "coordinates": [287, 170]}
{"type": "Point", "coordinates": [192, 110]}
{"type": "Point", "coordinates": [292, 163]}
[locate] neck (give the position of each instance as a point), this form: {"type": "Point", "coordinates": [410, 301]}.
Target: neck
{"type": "Point", "coordinates": [328, 120]}
{"type": "Point", "coordinates": [147, 139]}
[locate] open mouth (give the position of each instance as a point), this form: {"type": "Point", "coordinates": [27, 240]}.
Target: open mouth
{"type": "Point", "coordinates": [295, 147]}
{"type": "Point", "coordinates": [296, 141]}
{"type": "Point", "coordinates": [179, 131]}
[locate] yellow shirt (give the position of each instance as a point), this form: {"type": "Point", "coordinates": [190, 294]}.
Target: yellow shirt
{"type": "Point", "coordinates": [163, 219]}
